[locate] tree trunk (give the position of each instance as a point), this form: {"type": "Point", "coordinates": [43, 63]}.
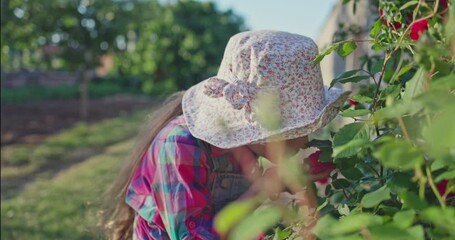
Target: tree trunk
{"type": "Point", "coordinates": [84, 94]}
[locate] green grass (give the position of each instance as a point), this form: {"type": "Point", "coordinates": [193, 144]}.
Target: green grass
{"type": "Point", "coordinates": [18, 160]}
{"type": "Point", "coordinates": [66, 206]}
{"type": "Point", "coordinates": [41, 93]}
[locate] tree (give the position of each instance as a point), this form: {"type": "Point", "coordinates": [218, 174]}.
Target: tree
{"type": "Point", "coordinates": [181, 49]}
{"type": "Point", "coordinates": [81, 31]}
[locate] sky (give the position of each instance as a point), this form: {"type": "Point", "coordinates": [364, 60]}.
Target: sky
{"type": "Point", "coordinates": [304, 17]}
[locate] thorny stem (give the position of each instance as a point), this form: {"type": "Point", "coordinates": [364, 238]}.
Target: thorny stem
{"type": "Point", "coordinates": [376, 95]}
{"type": "Point", "coordinates": [433, 187]}
{"type": "Point", "coordinates": [418, 172]}
{"type": "Point", "coordinates": [370, 74]}
{"type": "Point", "coordinates": [398, 68]}
{"type": "Point", "coordinates": [403, 128]}
{"type": "Point", "coordinates": [422, 181]}
{"type": "Point", "coordinates": [428, 77]}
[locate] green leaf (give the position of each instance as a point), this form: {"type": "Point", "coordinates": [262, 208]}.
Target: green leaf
{"type": "Point", "coordinates": [233, 213]}
{"type": "Point", "coordinates": [282, 234]}
{"type": "Point", "coordinates": [376, 28]}
{"type": "Point", "coordinates": [326, 52]}
{"type": "Point", "coordinates": [347, 74]}
{"type": "Point", "coordinates": [400, 182]}
{"type": "Point", "coordinates": [255, 224]}
{"type": "Point", "coordinates": [408, 4]}
{"type": "Point", "coordinates": [415, 86]}
{"type": "Point", "coordinates": [372, 199]}
{"type": "Point", "coordinates": [446, 83]}
{"type": "Point", "coordinates": [353, 174]}
{"type": "Point", "coordinates": [389, 232]}
{"type": "Point", "coordinates": [404, 70]}
{"type": "Point", "coordinates": [354, 79]}
{"type": "Point", "coordinates": [362, 99]}
{"type": "Point", "coordinates": [404, 219]}
{"type": "Point", "coordinates": [341, 184]}
{"type": "Point", "coordinates": [351, 148]}
{"type": "Point", "coordinates": [347, 48]}
{"type": "Point", "coordinates": [353, 223]}
{"type": "Point", "coordinates": [445, 176]}
{"type": "Point", "coordinates": [439, 135]}
{"type": "Point", "coordinates": [435, 100]}
{"type": "Point", "coordinates": [411, 200]}
{"type": "Point", "coordinates": [349, 79]}
{"type": "Point", "coordinates": [350, 138]}
{"type": "Point", "coordinates": [354, 113]}
{"type": "Point", "coordinates": [329, 228]}
{"type": "Point", "coordinates": [324, 223]}
{"type": "Point", "coordinates": [398, 109]}
{"type": "Point", "coordinates": [438, 164]}
{"type": "Point", "coordinates": [416, 232]}
{"type": "Point", "coordinates": [398, 154]}
{"type": "Point", "coordinates": [444, 219]}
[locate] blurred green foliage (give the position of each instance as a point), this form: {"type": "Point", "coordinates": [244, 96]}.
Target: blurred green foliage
{"type": "Point", "coordinates": [27, 94]}
{"type": "Point", "coordinates": [166, 46]}
{"type": "Point", "coordinates": [184, 47]}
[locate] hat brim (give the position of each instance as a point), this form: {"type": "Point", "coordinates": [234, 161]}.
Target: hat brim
{"type": "Point", "coordinates": [215, 121]}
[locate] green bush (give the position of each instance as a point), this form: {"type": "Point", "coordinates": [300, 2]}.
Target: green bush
{"type": "Point", "coordinates": [28, 94]}
{"type": "Point", "coordinates": [396, 161]}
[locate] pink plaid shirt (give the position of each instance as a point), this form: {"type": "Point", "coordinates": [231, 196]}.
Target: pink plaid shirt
{"type": "Point", "coordinates": [169, 190]}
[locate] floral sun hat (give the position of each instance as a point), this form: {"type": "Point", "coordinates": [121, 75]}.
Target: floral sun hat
{"type": "Point", "coordinates": [269, 72]}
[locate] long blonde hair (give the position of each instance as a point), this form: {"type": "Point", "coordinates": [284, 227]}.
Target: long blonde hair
{"type": "Point", "coordinates": [117, 216]}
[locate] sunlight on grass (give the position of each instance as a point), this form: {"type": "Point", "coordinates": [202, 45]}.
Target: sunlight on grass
{"type": "Point", "coordinates": [20, 160]}
{"type": "Point", "coordinates": [66, 206]}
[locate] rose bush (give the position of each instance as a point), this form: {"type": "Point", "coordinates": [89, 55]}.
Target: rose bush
{"type": "Point", "coordinates": [395, 176]}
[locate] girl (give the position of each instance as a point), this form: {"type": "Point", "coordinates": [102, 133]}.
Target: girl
{"type": "Point", "coordinates": [201, 148]}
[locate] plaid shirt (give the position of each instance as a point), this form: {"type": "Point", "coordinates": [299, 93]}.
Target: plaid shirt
{"type": "Point", "coordinates": [169, 189]}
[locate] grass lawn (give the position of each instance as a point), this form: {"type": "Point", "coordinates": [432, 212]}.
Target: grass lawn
{"type": "Point", "coordinates": [19, 160]}
{"type": "Point", "coordinates": [66, 206]}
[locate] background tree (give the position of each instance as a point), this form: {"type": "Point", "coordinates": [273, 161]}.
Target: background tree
{"type": "Point", "coordinates": [181, 49]}
{"type": "Point", "coordinates": [79, 32]}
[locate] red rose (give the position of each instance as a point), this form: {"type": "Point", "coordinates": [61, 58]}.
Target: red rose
{"type": "Point", "coordinates": [444, 4]}
{"type": "Point", "coordinates": [442, 188]}
{"type": "Point", "coordinates": [396, 25]}
{"type": "Point", "coordinates": [353, 103]}
{"type": "Point", "coordinates": [320, 171]}
{"type": "Point", "coordinates": [417, 28]}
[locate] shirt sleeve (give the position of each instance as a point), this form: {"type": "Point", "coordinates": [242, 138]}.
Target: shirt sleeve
{"type": "Point", "coordinates": [180, 190]}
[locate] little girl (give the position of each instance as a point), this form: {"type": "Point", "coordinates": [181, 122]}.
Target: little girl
{"type": "Point", "coordinates": [201, 148]}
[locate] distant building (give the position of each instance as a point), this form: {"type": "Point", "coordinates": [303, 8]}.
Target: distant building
{"type": "Point", "coordinates": [333, 65]}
